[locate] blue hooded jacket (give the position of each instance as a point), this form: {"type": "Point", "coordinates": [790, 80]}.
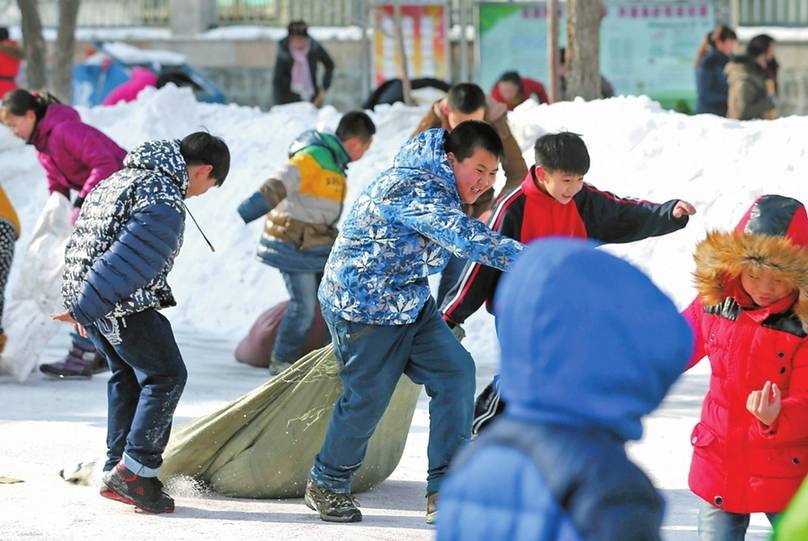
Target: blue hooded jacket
{"type": "Point", "coordinates": [589, 346]}
{"type": "Point", "coordinates": [403, 227]}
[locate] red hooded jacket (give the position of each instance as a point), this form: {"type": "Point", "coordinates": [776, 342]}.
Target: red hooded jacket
{"type": "Point", "coordinates": [739, 464]}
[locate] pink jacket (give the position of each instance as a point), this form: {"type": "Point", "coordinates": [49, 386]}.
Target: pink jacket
{"type": "Point", "coordinates": [128, 91]}
{"type": "Point", "coordinates": [75, 155]}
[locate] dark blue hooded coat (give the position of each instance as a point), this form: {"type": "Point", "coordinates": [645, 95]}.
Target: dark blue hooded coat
{"type": "Point", "coordinates": [711, 83]}
{"type": "Point", "coordinates": [589, 346]}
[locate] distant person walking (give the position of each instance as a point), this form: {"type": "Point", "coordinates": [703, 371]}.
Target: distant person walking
{"type": "Point", "coordinates": [295, 74]}
{"type": "Point", "coordinates": [748, 96]}
{"type": "Point", "coordinates": [711, 81]}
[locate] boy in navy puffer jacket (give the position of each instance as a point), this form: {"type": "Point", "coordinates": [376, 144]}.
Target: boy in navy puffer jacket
{"type": "Point", "coordinates": [116, 263]}
{"type": "Point", "coordinates": [582, 362]}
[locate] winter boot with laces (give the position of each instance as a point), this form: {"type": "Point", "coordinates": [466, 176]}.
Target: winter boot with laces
{"type": "Point", "coordinates": [145, 493]}
{"type": "Point", "coordinates": [332, 506]}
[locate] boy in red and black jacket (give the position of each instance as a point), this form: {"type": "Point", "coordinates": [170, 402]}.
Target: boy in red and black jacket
{"type": "Point", "coordinates": [553, 200]}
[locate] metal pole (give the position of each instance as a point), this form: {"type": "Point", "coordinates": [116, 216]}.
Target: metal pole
{"type": "Point", "coordinates": [734, 13]}
{"type": "Point", "coordinates": [552, 49]}
{"type": "Point", "coordinates": [464, 61]}
{"type": "Point", "coordinates": [367, 57]}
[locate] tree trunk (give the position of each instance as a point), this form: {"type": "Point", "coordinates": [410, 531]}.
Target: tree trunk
{"type": "Point", "coordinates": [552, 50]}
{"type": "Point", "coordinates": [406, 88]}
{"type": "Point", "coordinates": [583, 48]}
{"type": "Point", "coordinates": [33, 44]}
{"type": "Point", "coordinates": [65, 50]}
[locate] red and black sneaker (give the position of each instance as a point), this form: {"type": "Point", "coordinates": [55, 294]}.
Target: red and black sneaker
{"type": "Point", "coordinates": [145, 493]}
{"type": "Point", "coordinates": [108, 493]}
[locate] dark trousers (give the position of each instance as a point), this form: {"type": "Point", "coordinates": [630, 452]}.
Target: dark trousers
{"type": "Point", "coordinates": [148, 377]}
{"type": "Point", "coordinates": [373, 358]}
{"type": "Point", "coordinates": [449, 277]}
{"type": "Point", "coordinates": [8, 235]}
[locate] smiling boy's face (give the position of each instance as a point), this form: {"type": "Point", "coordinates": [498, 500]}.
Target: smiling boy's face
{"type": "Point", "coordinates": [474, 175]}
{"type": "Point", "coordinates": [560, 185]}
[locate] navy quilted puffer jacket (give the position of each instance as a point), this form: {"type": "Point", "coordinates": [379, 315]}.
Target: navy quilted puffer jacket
{"type": "Point", "coordinates": [127, 237]}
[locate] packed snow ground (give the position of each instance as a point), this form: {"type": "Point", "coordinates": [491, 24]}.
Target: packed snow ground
{"type": "Point", "coordinates": [637, 149]}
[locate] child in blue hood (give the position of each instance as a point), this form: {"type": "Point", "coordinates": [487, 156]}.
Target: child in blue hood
{"type": "Point", "coordinates": [582, 362]}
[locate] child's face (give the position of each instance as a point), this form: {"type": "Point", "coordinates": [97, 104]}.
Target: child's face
{"type": "Point", "coordinates": [356, 147]}
{"type": "Point", "coordinates": [474, 175]}
{"type": "Point", "coordinates": [21, 126]}
{"type": "Point", "coordinates": [560, 185]}
{"type": "Point", "coordinates": [765, 286]}
{"type": "Point", "coordinates": [508, 90]}
{"type": "Point", "coordinates": [200, 180]}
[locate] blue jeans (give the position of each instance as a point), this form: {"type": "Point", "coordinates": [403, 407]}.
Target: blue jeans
{"type": "Point", "coordinates": [296, 322]}
{"type": "Point", "coordinates": [718, 525]}
{"type": "Point", "coordinates": [373, 358]}
{"type": "Point", "coordinates": [449, 277]}
{"type": "Point", "coordinates": [148, 377]}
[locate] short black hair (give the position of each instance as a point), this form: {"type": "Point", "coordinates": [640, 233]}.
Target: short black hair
{"type": "Point", "coordinates": [470, 135]}
{"type": "Point", "coordinates": [4, 33]}
{"type": "Point", "coordinates": [202, 148]}
{"type": "Point", "coordinates": [564, 151]}
{"type": "Point", "coordinates": [466, 98]}
{"type": "Point", "coordinates": [298, 28]}
{"type": "Point", "coordinates": [512, 77]}
{"type": "Point", "coordinates": [758, 45]}
{"type": "Point", "coordinates": [355, 124]}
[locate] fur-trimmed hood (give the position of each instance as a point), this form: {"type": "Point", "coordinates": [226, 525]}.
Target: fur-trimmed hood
{"type": "Point", "coordinates": [772, 234]}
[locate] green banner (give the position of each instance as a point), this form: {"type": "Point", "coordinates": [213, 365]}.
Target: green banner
{"type": "Point", "coordinates": [646, 47]}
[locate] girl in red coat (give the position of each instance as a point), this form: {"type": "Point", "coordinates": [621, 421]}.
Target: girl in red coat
{"type": "Point", "coordinates": [750, 450]}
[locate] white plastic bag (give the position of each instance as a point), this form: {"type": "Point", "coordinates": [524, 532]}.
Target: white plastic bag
{"type": "Point", "coordinates": [37, 292]}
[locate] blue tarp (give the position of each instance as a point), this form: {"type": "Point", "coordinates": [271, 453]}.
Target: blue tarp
{"type": "Point", "coordinates": [93, 81]}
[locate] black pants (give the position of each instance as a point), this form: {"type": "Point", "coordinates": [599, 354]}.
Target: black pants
{"type": "Point", "coordinates": [8, 235]}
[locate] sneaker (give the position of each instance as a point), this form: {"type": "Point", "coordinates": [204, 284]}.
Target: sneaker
{"type": "Point", "coordinates": [110, 494]}
{"type": "Point", "coordinates": [332, 506]}
{"type": "Point", "coordinates": [431, 508]}
{"type": "Point", "coordinates": [276, 366]}
{"type": "Point", "coordinates": [145, 493]}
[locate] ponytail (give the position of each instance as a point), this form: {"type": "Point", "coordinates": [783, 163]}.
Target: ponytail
{"type": "Point", "coordinates": [19, 101]}
{"type": "Point", "coordinates": [719, 33]}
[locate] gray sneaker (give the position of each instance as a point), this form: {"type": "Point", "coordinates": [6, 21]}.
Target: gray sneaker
{"type": "Point", "coordinates": [276, 366]}
{"type": "Point", "coordinates": [332, 506]}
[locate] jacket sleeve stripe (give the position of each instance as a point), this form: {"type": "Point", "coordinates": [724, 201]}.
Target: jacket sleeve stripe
{"type": "Point", "coordinates": [471, 271]}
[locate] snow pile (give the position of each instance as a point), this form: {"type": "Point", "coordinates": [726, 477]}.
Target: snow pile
{"type": "Point", "coordinates": [637, 149]}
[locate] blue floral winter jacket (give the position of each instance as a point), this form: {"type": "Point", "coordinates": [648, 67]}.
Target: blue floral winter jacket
{"type": "Point", "coordinates": [403, 227]}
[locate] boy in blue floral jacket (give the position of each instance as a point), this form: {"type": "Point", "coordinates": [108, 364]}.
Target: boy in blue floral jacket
{"type": "Point", "coordinates": [377, 304]}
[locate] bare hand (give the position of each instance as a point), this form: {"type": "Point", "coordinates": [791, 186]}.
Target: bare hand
{"type": "Point", "coordinates": [67, 317]}
{"type": "Point", "coordinates": [765, 404]}
{"type": "Point", "coordinates": [683, 208]}
{"type": "Point", "coordinates": [319, 99]}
